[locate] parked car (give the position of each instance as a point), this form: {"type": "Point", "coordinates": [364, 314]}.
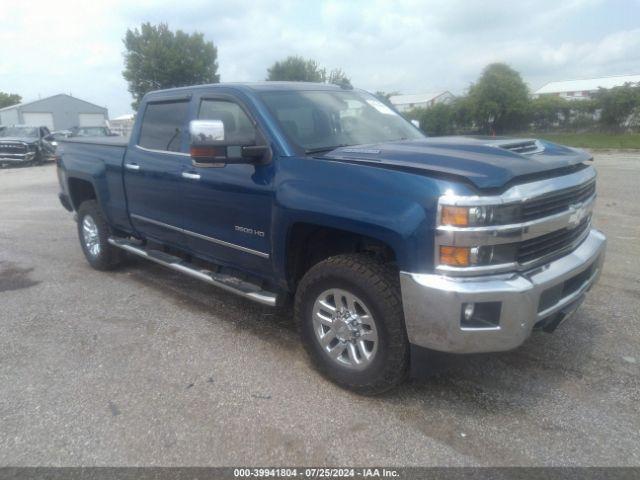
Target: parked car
{"type": "Point", "coordinates": [389, 243]}
{"type": "Point", "coordinates": [23, 144]}
{"type": "Point", "coordinates": [54, 137]}
{"type": "Point", "coordinates": [100, 131]}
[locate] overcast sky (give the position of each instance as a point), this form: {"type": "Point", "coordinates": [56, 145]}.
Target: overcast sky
{"type": "Point", "coordinates": [409, 46]}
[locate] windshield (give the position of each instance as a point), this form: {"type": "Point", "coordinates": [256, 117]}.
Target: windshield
{"type": "Point", "coordinates": [22, 132]}
{"type": "Point", "coordinates": [322, 120]}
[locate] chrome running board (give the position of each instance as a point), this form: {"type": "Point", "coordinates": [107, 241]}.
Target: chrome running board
{"type": "Point", "coordinates": [226, 282]}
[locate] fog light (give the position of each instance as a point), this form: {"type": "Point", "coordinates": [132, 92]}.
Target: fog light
{"type": "Point", "coordinates": [468, 311]}
{"type": "Point", "coordinates": [480, 316]}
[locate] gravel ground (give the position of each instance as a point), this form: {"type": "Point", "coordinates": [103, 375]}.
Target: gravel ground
{"type": "Point", "coordinates": [145, 367]}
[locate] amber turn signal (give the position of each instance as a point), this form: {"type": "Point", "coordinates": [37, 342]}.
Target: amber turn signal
{"type": "Point", "coordinates": [458, 216]}
{"type": "Point", "coordinates": [454, 256]}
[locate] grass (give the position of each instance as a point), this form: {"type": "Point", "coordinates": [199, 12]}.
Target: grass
{"type": "Point", "coordinates": [592, 140]}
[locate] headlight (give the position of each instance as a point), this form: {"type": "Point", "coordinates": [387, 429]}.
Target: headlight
{"type": "Point", "coordinates": [479, 216]}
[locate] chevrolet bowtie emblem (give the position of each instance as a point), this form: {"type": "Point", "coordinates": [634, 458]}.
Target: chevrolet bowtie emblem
{"type": "Point", "coordinates": [578, 212]}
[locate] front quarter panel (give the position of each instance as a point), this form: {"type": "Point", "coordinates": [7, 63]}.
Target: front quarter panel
{"type": "Point", "coordinates": [395, 207]}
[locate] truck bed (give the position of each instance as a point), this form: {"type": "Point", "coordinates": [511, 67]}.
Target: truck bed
{"type": "Point", "coordinates": [98, 160]}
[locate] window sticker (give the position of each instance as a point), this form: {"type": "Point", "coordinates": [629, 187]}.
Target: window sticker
{"type": "Point", "coordinates": [381, 107]}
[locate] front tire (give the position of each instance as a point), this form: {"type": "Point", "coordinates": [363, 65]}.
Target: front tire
{"type": "Point", "coordinates": [350, 315]}
{"type": "Point", "coordinates": [94, 232]}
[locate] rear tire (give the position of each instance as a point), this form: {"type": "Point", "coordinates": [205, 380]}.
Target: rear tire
{"type": "Point", "coordinates": [94, 232]}
{"type": "Point", "coordinates": [349, 312]}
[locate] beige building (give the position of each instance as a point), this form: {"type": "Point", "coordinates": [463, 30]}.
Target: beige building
{"type": "Point", "coordinates": [404, 103]}
{"type": "Point", "coordinates": [585, 88]}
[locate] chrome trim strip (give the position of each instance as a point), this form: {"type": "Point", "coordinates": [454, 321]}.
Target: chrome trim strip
{"type": "Point", "coordinates": [165, 152]}
{"type": "Point", "coordinates": [478, 269]}
{"type": "Point", "coordinates": [191, 176]}
{"type": "Point", "coordinates": [200, 236]}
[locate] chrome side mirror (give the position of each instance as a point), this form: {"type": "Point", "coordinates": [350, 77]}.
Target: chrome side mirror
{"type": "Point", "coordinates": [208, 146]}
{"type": "Point", "coordinates": [206, 132]}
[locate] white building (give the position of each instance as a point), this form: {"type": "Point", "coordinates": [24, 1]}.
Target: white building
{"type": "Point", "coordinates": [404, 103]}
{"type": "Point", "coordinates": [123, 124]}
{"type": "Point", "coordinates": [584, 89]}
{"type": "Point", "coordinates": [59, 112]}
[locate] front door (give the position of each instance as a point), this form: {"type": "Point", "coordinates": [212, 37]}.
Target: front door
{"type": "Point", "coordinates": [228, 206]}
{"type": "Point", "coordinates": [153, 172]}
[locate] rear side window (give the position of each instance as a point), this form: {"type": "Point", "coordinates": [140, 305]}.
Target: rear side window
{"type": "Point", "coordinates": [162, 125]}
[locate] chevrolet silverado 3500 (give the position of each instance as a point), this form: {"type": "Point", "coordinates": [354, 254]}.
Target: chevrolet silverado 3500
{"type": "Point", "coordinates": [388, 242]}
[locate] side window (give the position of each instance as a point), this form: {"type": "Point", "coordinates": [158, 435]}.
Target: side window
{"type": "Point", "coordinates": [162, 125]}
{"type": "Point", "coordinates": [238, 128]}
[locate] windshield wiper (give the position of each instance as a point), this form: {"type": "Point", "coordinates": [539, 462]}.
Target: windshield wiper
{"type": "Point", "coordinates": [324, 149]}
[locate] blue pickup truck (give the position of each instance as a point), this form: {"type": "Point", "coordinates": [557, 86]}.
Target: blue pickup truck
{"type": "Point", "coordinates": [389, 244]}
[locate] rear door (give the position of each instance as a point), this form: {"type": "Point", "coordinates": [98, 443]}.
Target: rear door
{"type": "Point", "coordinates": [153, 168]}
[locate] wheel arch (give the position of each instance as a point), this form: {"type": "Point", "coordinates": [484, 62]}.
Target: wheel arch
{"type": "Point", "coordinates": [309, 243]}
{"type": "Point", "coordinates": [81, 190]}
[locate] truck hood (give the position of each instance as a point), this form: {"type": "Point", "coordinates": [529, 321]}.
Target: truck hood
{"type": "Point", "coordinates": [486, 162]}
{"type": "Point", "coordinates": [29, 140]}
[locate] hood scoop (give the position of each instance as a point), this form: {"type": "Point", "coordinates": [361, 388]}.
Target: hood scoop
{"type": "Point", "coordinates": [524, 147]}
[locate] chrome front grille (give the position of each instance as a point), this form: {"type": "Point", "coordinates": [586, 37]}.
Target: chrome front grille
{"type": "Point", "coordinates": [552, 244]}
{"type": "Point", "coordinates": [13, 148]}
{"type": "Point", "coordinates": [542, 221]}
{"type": "Point", "coordinates": [559, 201]}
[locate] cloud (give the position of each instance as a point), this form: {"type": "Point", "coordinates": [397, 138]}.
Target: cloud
{"type": "Point", "coordinates": [406, 45]}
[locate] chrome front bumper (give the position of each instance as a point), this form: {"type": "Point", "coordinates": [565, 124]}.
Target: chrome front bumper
{"type": "Point", "coordinates": [433, 303]}
{"type": "Point", "coordinates": [17, 158]}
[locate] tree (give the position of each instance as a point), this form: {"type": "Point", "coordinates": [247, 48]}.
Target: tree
{"type": "Point", "coordinates": [8, 99]}
{"type": "Point", "coordinates": [617, 105]}
{"type": "Point", "coordinates": [338, 77]}
{"type": "Point", "coordinates": [157, 58]}
{"type": "Point", "coordinates": [298, 69]}
{"type": "Point", "coordinates": [549, 111]}
{"type": "Point", "coordinates": [500, 99]}
{"type": "Point", "coordinates": [437, 120]}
